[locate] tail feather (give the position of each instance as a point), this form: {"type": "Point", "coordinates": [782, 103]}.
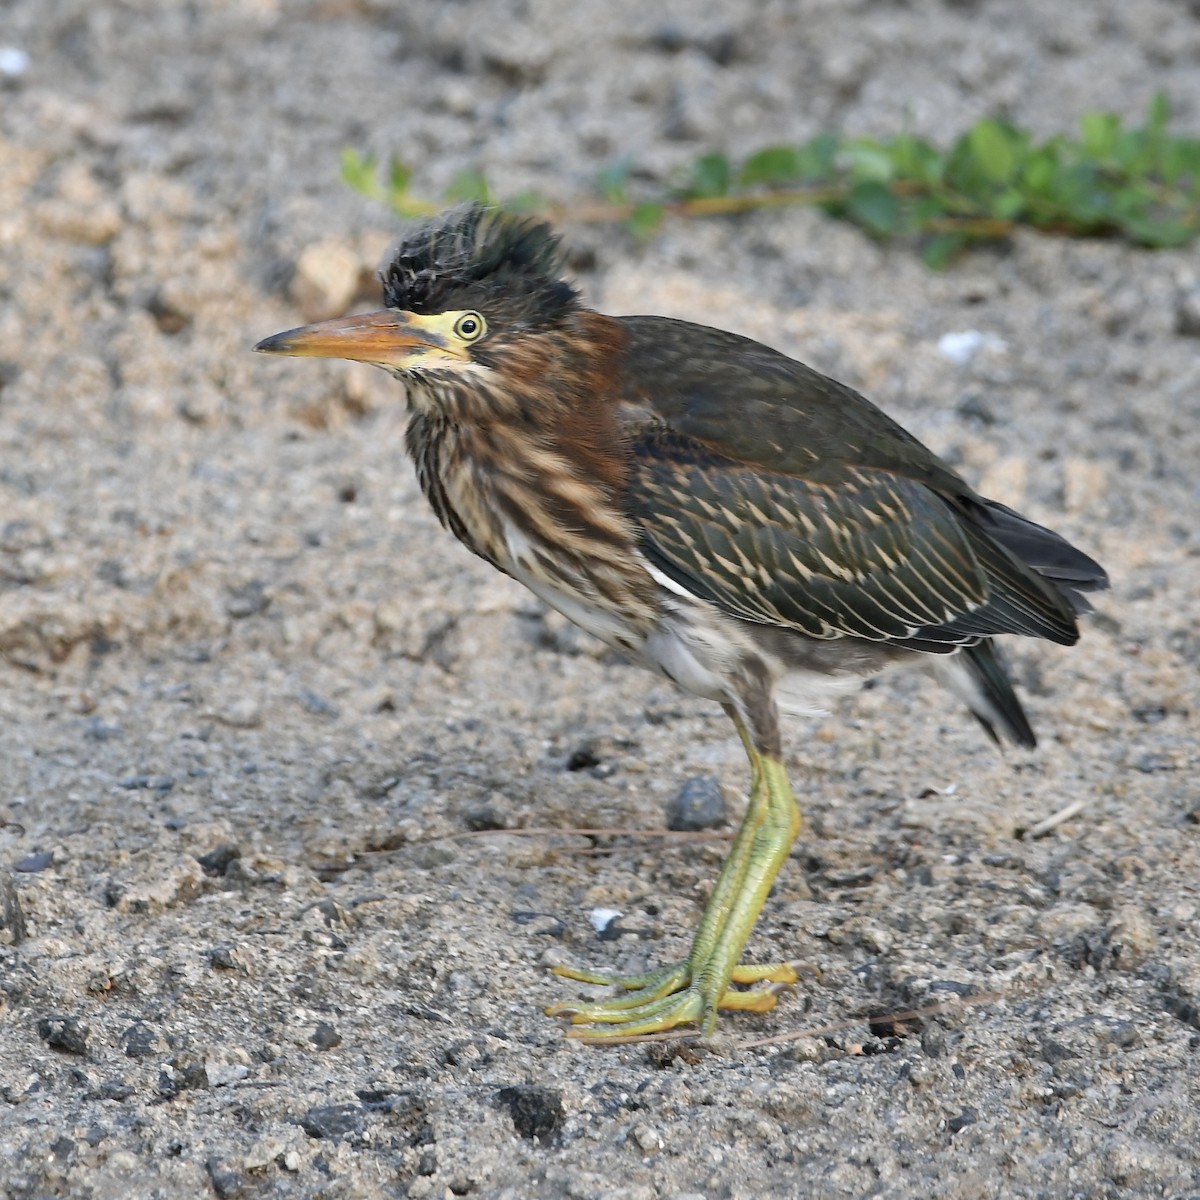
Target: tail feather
{"type": "Point", "coordinates": [979, 679]}
{"type": "Point", "coordinates": [1048, 553]}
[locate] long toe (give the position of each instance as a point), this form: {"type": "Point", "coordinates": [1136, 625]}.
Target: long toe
{"type": "Point", "coordinates": [659, 982]}
{"type": "Point", "coordinates": [764, 973]}
{"type": "Point", "coordinates": [656, 1016]}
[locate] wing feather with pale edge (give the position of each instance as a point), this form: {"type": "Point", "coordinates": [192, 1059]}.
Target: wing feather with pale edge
{"type": "Point", "coordinates": [877, 556]}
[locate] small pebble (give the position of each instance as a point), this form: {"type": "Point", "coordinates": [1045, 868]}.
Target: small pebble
{"type": "Point", "coordinates": [64, 1033]}
{"type": "Point", "coordinates": [12, 916]}
{"type": "Point", "coordinates": [245, 713]}
{"type": "Point", "coordinates": [14, 62]}
{"type": "Point", "coordinates": [962, 346]}
{"type": "Point", "coordinates": [968, 1116]}
{"type": "Point", "coordinates": [603, 920]}
{"type": "Point", "coordinates": [325, 1036]}
{"type": "Point", "coordinates": [1187, 313]}
{"type": "Point", "coordinates": [32, 864]}
{"type": "Point", "coordinates": [326, 280]}
{"type": "Point", "coordinates": [698, 805]}
{"type": "Point", "coordinates": [332, 1120]}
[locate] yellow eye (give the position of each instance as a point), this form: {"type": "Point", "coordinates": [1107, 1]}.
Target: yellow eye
{"type": "Point", "coordinates": [470, 327]}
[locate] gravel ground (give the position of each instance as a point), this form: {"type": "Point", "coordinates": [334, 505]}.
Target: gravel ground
{"type": "Point", "coordinates": [271, 925]}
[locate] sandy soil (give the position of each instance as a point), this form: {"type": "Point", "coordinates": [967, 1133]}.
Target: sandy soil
{"type": "Point", "coordinates": [270, 737]}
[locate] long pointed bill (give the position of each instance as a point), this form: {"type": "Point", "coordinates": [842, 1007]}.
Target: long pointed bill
{"type": "Point", "coordinates": [387, 338]}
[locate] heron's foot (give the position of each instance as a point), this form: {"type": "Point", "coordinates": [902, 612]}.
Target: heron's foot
{"type": "Point", "coordinates": [661, 1000]}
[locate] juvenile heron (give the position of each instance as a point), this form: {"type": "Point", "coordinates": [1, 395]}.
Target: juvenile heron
{"type": "Point", "coordinates": [758, 533]}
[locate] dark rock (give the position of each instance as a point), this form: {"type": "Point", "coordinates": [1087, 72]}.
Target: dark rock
{"type": "Point", "coordinates": [583, 758]}
{"type": "Point", "coordinates": [975, 408]}
{"type": "Point", "coordinates": [31, 864]}
{"type": "Point", "coordinates": [182, 1073]}
{"type": "Point", "coordinates": [223, 958]}
{"type": "Point", "coordinates": [1148, 764]}
{"type": "Point", "coordinates": [1149, 714]}
{"type": "Point", "coordinates": [64, 1033]}
{"type": "Point", "coordinates": [1187, 313]}
{"type": "Point", "coordinates": [968, 1116]}
{"type": "Point", "coordinates": [141, 1041]}
{"type": "Point", "coordinates": [12, 916]}
{"type": "Point", "coordinates": [216, 862]}
{"type": "Point", "coordinates": [536, 1111]}
{"type": "Point", "coordinates": [487, 816]}
{"type": "Point", "coordinates": [1181, 1007]}
{"type": "Point", "coordinates": [248, 600]}
{"type": "Point", "coordinates": [325, 1036]}
{"type": "Point", "coordinates": [168, 318]}
{"type": "Point", "coordinates": [332, 1120]}
{"type": "Point", "coordinates": [1055, 1051]}
{"type": "Point", "coordinates": [227, 1182]}
{"type": "Point", "coordinates": [99, 730]}
{"type": "Point", "coordinates": [698, 805]}
{"type": "Point", "coordinates": [610, 930]}
{"type": "Point", "coordinates": [154, 783]}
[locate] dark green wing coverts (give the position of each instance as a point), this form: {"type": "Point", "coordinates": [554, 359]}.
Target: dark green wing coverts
{"type": "Point", "coordinates": [816, 511]}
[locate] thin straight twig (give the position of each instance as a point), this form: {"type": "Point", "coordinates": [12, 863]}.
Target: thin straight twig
{"type": "Point", "coordinates": [1054, 820]}
{"type": "Point", "coordinates": [681, 835]}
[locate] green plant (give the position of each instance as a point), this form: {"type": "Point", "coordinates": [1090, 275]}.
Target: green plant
{"type": "Point", "coordinates": [1142, 184]}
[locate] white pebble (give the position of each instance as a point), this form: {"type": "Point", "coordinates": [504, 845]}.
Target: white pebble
{"type": "Point", "coordinates": [961, 347]}
{"type": "Point", "coordinates": [14, 62]}
{"type": "Point", "coordinates": [602, 918]}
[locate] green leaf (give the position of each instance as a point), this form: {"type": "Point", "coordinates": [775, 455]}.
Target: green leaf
{"type": "Point", "coordinates": [995, 147]}
{"type": "Point", "coordinates": [1040, 168]}
{"type": "Point", "coordinates": [869, 162]}
{"type": "Point", "coordinates": [1159, 112]}
{"type": "Point", "coordinates": [527, 201]}
{"type": "Point", "coordinates": [940, 250]}
{"type": "Point", "coordinates": [467, 185]}
{"type": "Point", "coordinates": [1161, 233]}
{"type": "Point", "coordinates": [773, 166]}
{"type": "Point", "coordinates": [358, 171]}
{"type": "Point", "coordinates": [711, 176]}
{"type": "Point", "coordinates": [1008, 205]}
{"type": "Point", "coordinates": [1181, 160]}
{"type": "Point", "coordinates": [874, 207]}
{"type": "Point", "coordinates": [1100, 132]}
{"type": "Point", "coordinates": [644, 220]}
{"type": "Point", "coordinates": [819, 155]}
{"type": "Point", "coordinates": [398, 178]}
{"type": "Point", "coordinates": [914, 158]}
{"type": "Point", "coordinates": [613, 181]}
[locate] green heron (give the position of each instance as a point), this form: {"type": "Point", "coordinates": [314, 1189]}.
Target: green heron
{"type": "Point", "coordinates": [758, 533]}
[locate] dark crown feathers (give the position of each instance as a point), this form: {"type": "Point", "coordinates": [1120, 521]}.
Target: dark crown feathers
{"type": "Point", "coordinates": [482, 257]}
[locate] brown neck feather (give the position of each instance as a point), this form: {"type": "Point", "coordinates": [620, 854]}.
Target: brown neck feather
{"type": "Point", "coordinates": [566, 400]}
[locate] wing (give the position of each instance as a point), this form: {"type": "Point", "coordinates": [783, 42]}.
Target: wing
{"type": "Point", "coordinates": [875, 556]}
{"type": "Point", "coordinates": [785, 498]}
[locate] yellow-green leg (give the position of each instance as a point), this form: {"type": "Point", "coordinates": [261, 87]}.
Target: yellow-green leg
{"type": "Point", "coordinates": [695, 989]}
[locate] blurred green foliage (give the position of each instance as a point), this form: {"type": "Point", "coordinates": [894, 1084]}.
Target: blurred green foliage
{"type": "Point", "coordinates": [1140, 183]}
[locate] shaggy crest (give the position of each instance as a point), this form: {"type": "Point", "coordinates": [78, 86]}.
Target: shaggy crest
{"type": "Point", "coordinates": [485, 258]}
